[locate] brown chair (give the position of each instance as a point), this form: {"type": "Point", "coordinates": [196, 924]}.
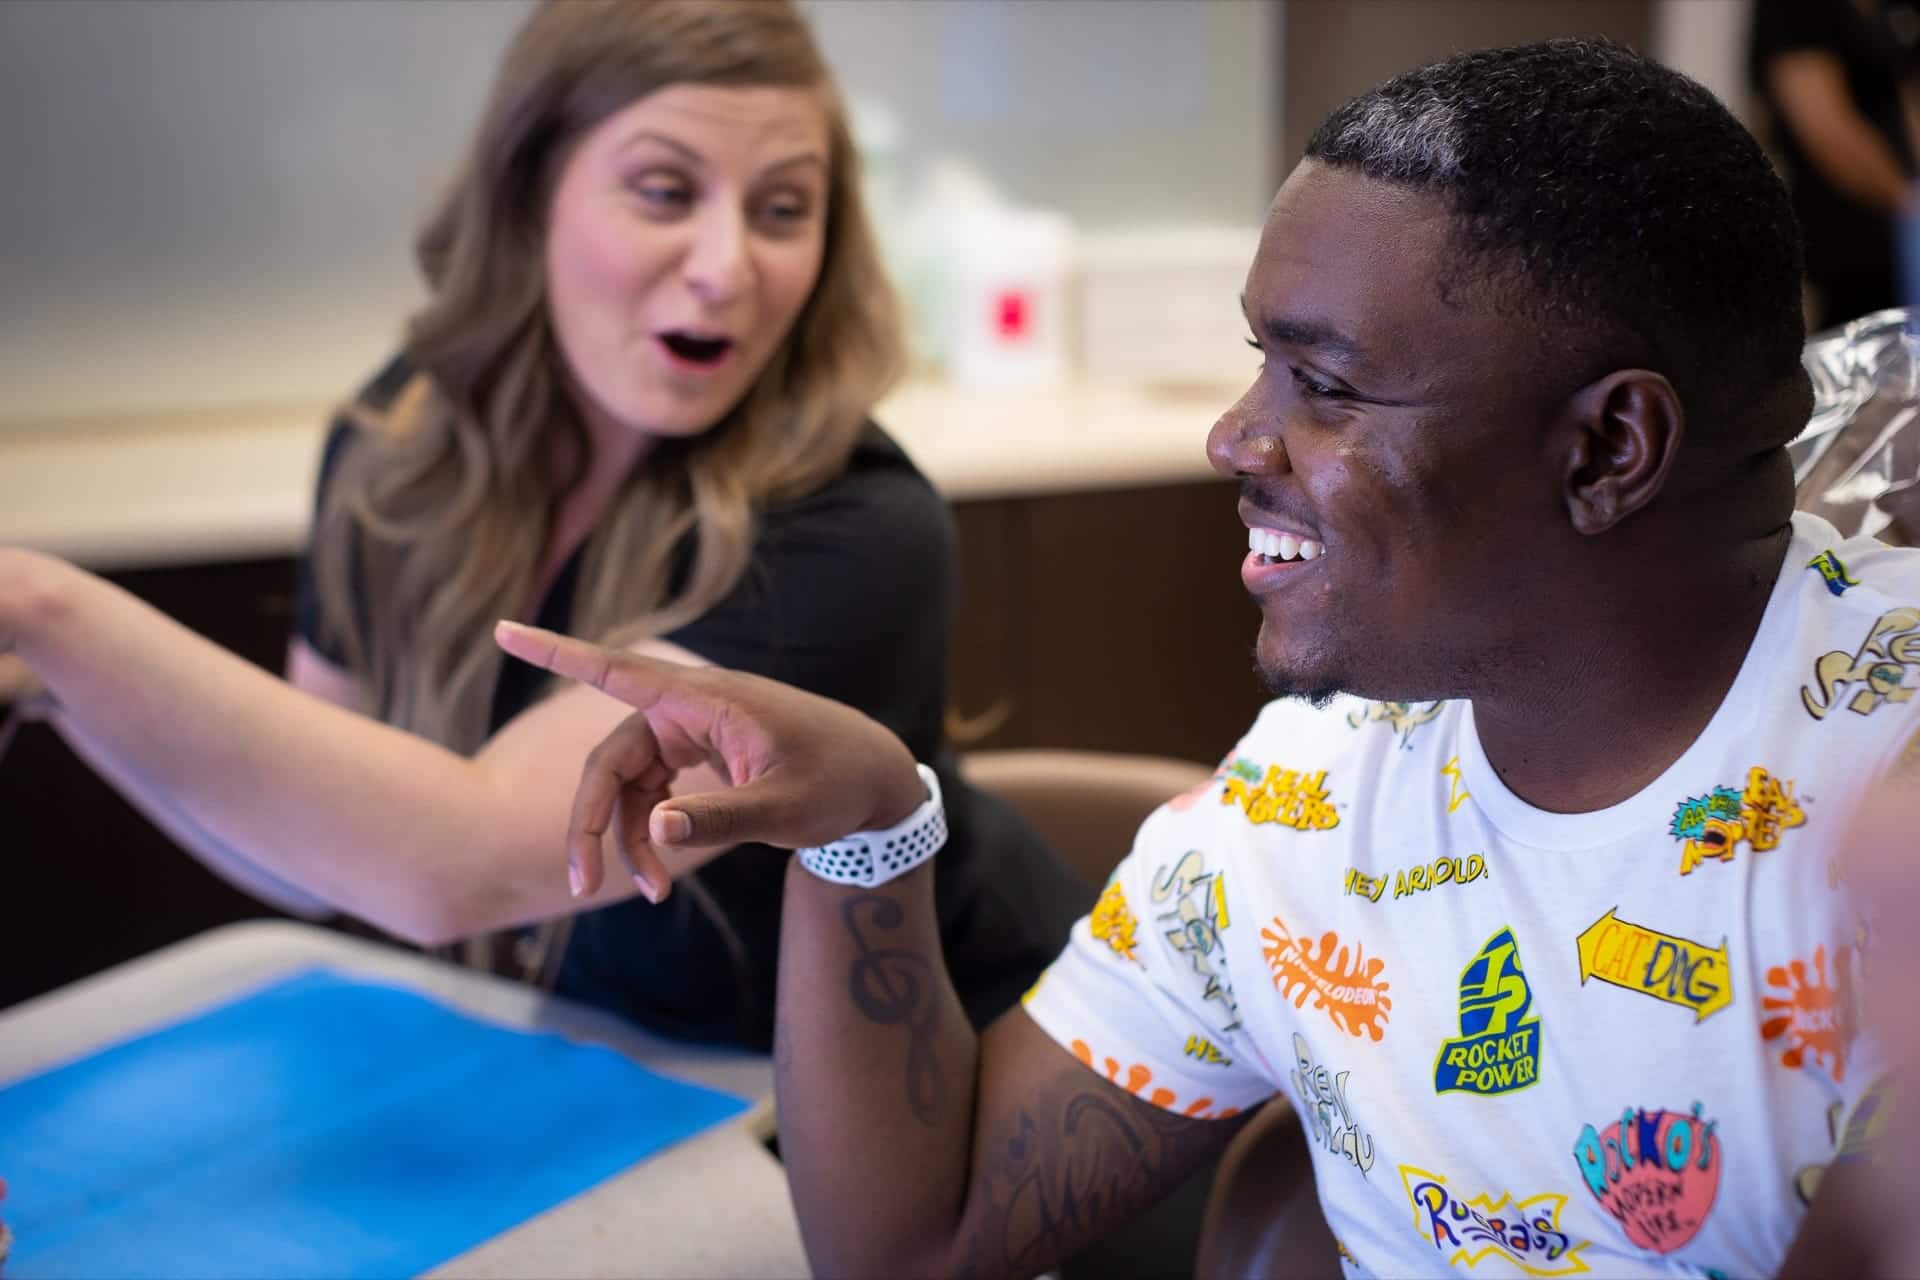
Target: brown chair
{"type": "Point", "coordinates": [1255, 1214]}
{"type": "Point", "coordinates": [1086, 804]}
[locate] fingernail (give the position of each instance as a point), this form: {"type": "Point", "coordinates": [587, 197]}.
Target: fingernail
{"type": "Point", "coordinates": [670, 826]}
{"type": "Point", "coordinates": [574, 881]}
{"type": "Point", "coordinates": [646, 888]}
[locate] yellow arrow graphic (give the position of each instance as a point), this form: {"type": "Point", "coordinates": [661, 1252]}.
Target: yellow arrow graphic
{"type": "Point", "coordinates": [1671, 969]}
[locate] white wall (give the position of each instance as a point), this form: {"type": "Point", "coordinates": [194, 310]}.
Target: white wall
{"type": "Point", "coordinates": [1707, 39]}
{"type": "Point", "coordinates": [210, 203]}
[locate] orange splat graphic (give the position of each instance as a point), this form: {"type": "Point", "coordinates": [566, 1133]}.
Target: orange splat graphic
{"type": "Point", "coordinates": [1811, 1015]}
{"type": "Point", "coordinates": [1351, 992]}
{"type": "Point", "coordinates": [1113, 922]}
{"type": "Point", "coordinates": [1137, 1076]}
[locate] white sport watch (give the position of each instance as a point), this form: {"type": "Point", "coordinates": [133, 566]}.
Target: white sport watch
{"type": "Point", "coordinates": [869, 858]}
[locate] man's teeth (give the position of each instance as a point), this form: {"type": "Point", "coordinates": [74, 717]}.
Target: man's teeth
{"type": "Point", "coordinates": [1282, 546]}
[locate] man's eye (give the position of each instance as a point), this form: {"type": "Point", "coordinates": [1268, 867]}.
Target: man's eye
{"type": "Point", "coordinates": [1315, 388]}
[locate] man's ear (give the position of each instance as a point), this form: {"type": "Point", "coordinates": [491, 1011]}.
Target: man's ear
{"type": "Point", "coordinates": [1622, 435]}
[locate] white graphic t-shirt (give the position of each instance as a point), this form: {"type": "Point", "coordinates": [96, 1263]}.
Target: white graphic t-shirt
{"type": "Point", "coordinates": [1522, 1042]}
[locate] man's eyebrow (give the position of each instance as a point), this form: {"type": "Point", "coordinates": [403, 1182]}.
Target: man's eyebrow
{"type": "Point", "coordinates": [1311, 334]}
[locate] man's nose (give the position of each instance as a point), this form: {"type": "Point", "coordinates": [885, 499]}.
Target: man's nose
{"type": "Point", "coordinates": [1243, 443]}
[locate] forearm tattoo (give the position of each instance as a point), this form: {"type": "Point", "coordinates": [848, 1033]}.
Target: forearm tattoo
{"type": "Point", "coordinates": [892, 986]}
{"type": "Point", "coordinates": [1071, 1166]}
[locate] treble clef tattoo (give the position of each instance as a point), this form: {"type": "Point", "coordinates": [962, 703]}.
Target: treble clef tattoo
{"type": "Point", "coordinates": [895, 987]}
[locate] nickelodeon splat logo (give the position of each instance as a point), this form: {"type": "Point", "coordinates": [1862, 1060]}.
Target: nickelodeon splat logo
{"type": "Point", "coordinates": [1714, 825]}
{"type": "Point", "coordinates": [1402, 717]}
{"type": "Point", "coordinates": [1669, 968]}
{"type": "Point", "coordinates": [1655, 1172]}
{"type": "Point", "coordinates": [1881, 670]}
{"type": "Point", "coordinates": [1112, 923]}
{"type": "Point", "coordinates": [1349, 989]}
{"type": "Point", "coordinates": [1525, 1233]}
{"type": "Point", "coordinates": [1810, 1013]}
{"type": "Point", "coordinates": [1283, 797]}
{"type": "Point", "coordinates": [1499, 1046]}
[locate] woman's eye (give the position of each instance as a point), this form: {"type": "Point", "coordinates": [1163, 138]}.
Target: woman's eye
{"type": "Point", "coordinates": [662, 195]}
{"type": "Point", "coordinates": [786, 212]}
{"type": "Point", "coordinates": [1255, 344]}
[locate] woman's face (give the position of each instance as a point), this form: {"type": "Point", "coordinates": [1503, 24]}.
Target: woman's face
{"type": "Point", "coordinates": [685, 234]}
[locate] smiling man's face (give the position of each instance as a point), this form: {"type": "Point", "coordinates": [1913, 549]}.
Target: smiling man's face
{"type": "Point", "coordinates": [1402, 429]}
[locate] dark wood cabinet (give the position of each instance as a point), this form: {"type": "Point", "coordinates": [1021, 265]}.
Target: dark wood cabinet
{"type": "Point", "coordinates": [1111, 621]}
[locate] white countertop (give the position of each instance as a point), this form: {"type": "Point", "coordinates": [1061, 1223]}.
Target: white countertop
{"type": "Point", "coordinates": [713, 1205]}
{"type": "Point", "coordinates": [226, 484]}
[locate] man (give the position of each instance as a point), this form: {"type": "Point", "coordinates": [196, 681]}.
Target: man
{"type": "Point", "coordinates": [1546, 942]}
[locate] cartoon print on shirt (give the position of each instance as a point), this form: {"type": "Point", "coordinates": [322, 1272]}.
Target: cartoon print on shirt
{"type": "Point", "coordinates": [1810, 1014]}
{"type": "Point", "coordinates": [1417, 879]}
{"type": "Point", "coordinates": [1457, 793]}
{"type": "Point", "coordinates": [1881, 670]}
{"type": "Point", "coordinates": [1284, 797]}
{"type": "Point", "coordinates": [1857, 1140]}
{"type": "Point", "coordinates": [1351, 991]}
{"type": "Point", "coordinates": [1669, 968]}
{"type": "Point", "coordinates": [1136, 1079]}
{"type": "Point", "coordinates": [1498, 1050]}
{"type": "Point", "coordinates": [1833, 572]}
{"type": "Point", "coordinates": [1402, 717]}
{"type": "Point", "coordinates": [1323, 1102]}
{"type": "Point", "coordinates": [1201, 1049]}
{"type": "Point", "coordinates": [1192, 916]}
{"type": "Point", "coordinates": [1655, 1172]}
{"type": "Point", "coordinates": [1806, 1180]}
{"type": "Point", "coordinates": [1713, 825]}
{"type": "Point", "coordinates": [1525, 1233]}
{"type": "Point", "coordinates": [1909, 761]}
{"type": "Point", "coordinates": [1112, 923]}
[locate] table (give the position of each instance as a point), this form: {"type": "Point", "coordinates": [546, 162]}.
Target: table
{"type": "Point", "coordinates": [715, 1205]}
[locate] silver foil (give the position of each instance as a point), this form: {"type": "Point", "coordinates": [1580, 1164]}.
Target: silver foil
{"type": "Point", "coordinates": [1857, 463]}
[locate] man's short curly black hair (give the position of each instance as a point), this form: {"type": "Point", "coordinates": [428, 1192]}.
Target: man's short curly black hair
{"type": "Point", "coordinates": [1631, 209]}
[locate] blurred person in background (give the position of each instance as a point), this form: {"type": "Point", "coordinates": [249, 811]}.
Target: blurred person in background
{"type": "Point", "coordinates": [636, 406]}
{"type": "Point", "coordinates": [1837, 80]}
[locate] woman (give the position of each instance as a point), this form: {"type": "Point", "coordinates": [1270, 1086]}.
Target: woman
{"type": "Point", "coordinates": [633, 407]}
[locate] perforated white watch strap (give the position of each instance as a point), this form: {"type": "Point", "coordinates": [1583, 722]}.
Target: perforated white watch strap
{"type": "Point", "coordinates": [868, 858]}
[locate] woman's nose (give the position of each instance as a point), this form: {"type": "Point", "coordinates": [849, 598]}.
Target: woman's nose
{"type": "Point", "coordinates": [719, 267]}
{"type": "Point", "coordinates": [1243, 443]}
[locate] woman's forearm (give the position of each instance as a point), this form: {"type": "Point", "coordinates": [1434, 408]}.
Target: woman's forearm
{"type": "Point", "coordinates": [350, 812]}
{"type": "Point", "coordinates": [158, 808]}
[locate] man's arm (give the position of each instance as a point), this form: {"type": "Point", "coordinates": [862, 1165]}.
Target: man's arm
{"type": "Point", "coordinates": [915, 1147]}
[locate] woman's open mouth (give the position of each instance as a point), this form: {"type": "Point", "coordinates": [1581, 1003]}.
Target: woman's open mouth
{"type": "Point", "coordinates": [686, 349]}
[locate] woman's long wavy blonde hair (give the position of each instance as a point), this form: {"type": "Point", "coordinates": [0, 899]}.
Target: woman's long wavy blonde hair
{"type": "Point", "coordinates": [436, 520]}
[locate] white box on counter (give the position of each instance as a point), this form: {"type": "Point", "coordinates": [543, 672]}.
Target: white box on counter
{"type": "Point", "coordinates": [1163, 304]}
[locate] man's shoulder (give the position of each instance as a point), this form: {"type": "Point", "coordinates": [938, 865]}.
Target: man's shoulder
{"type": "Point", "coordinates": [1849, 591]}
